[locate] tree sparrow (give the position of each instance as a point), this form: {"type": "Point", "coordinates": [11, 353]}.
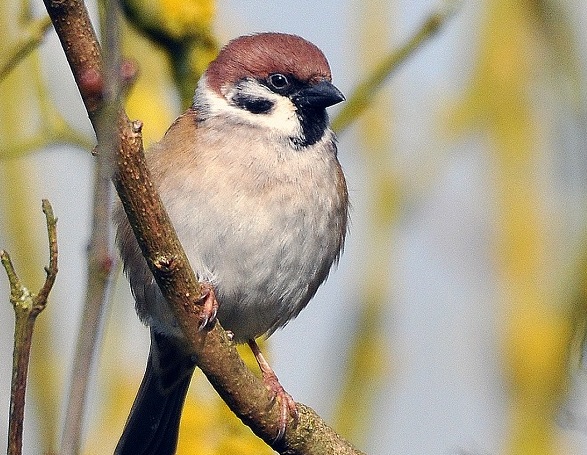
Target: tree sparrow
{"type": "Point", "coordinates": [251, 182]}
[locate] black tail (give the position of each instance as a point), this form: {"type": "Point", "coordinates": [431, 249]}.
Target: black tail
{"type": "Point", "coordinates": [153, 424]}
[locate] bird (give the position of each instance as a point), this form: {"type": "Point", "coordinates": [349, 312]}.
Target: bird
{"type": "Point", "coordinates": [251, 181]}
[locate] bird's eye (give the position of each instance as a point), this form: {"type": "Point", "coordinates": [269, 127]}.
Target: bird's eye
{"type": "Point", "coordinates": [278, 81]}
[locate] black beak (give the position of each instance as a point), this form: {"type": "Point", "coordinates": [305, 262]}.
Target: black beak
{"type": "Point", "coordinates": [318, 96]}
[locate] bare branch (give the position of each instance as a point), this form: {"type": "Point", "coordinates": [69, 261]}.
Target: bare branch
{"type": "Point", "coordinates": [101, 257]}
{"type": "Point", "coordinates": [27, 307]}
{"type": "Point", "coordinates": [51, 270]}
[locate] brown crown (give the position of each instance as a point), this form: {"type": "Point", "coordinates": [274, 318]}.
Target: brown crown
{"type": "Point", "coordinates": [262, 54]}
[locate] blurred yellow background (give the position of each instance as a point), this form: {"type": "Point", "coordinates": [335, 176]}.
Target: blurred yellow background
{"type": "Point", "coordinates": [455, 319]}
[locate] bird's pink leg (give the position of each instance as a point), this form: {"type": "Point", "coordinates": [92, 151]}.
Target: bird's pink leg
{"type": "Point", "coordinates": [284, 399]}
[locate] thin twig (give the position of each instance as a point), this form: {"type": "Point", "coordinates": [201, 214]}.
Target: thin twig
{"type": "Point", "coordinates": [101, 258]}
{"type": "Point", "coordinates": [51, 271]}
{"type": "Point", "coordinates": [102, 263]}
{"type": "Point", "coordinates": [27, 307]}
{"type": "Point", "coordinates": [364, 93]}
{"type": "Point", "coordinates": [34, 34]}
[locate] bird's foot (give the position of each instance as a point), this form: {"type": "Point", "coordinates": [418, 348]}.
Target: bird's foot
{"type": "Point", "coordinates": [287, 405]}
{"type": "Point", "coordinates": [209, 307]}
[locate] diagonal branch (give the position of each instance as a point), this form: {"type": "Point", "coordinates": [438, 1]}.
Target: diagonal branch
{"type": "Point", "coordinates": [216, 355]}
{"type": "Point", "coordinates": [363, 94]}
{"type": "Point", "coordinates": [34, 34]}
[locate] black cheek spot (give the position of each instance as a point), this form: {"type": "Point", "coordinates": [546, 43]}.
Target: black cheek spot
{"type": "Point", "coordinates": [253, 105]}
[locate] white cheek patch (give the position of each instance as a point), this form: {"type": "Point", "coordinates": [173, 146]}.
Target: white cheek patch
{"type": "Point", "coordinates": [282, 119]}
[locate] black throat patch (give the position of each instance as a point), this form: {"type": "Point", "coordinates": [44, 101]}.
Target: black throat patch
{"type": "Point", "coordinates": [314, 123]}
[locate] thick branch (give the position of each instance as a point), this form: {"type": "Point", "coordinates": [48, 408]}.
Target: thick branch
{"type": "Point", "coordinates": [216, 355]}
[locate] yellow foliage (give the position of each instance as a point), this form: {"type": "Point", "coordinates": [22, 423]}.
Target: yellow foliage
{"type": "Point", "coordinates": [368, 358]}
{"type": "Point", "coordinates": [26, 118]}
{"type": "Point", "coordinates": [538, 343]}
{"type": "Point", "coordinates": [150, 98]}
{"type": "Point", "coordinates": [538, 328]}
{"type": "Point", "coordinates": [117, 402]}
{"type": "Point", "coordinates": [183, 29]}
{"type": "Point", "coordinates": [200, 57]}
{"type": "Point", "coordinates": [208, 426]}
{"type": "Point", "coordinates": [184, 17]}
{"type": "Point", "coordinates": [174, 19]}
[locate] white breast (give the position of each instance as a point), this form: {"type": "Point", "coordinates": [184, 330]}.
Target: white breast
{"type": "Point", "coordinates": [262, 222]}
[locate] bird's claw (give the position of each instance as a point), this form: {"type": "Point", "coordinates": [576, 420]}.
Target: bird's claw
{"type": "Point", "coordinates": [287, 405]}
{"type": "Point", "coordinates": [209, 308]}
{"type": "Point", "coordinates": [285, 401]}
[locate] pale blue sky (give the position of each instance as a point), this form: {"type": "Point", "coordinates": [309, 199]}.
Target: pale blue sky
{"type": "Point", "coordinates": [444, 393]}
